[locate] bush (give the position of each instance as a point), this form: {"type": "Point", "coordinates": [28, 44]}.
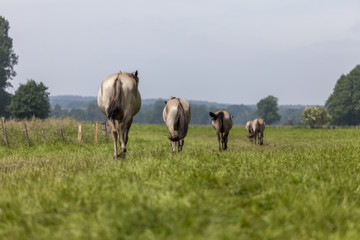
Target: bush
{"type": "Point", "coordinates": [316, 117]}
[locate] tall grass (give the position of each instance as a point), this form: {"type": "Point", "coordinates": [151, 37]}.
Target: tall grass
{"type": "Point", "coordinates": [302, 184]}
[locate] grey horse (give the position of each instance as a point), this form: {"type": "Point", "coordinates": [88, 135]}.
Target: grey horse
{"type": "Point", "coordinates": [177, 116]}
{"type": "Point", "coordinates": [119, 99]}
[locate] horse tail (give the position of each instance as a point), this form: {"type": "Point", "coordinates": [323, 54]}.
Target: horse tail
{"type": "Point", "coordinates": [251, 135]}
{"type": "Point", "coordinates": [183, 125]}
{"type": "Point", "coordinates": [115, 105]}
{"type": "Point", "coordinates": [256, 130]}
{"type": "Point", "coordinates": [221, 121]}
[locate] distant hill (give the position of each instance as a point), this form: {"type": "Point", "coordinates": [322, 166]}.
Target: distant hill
{"type": "Point", "coordinates": [71, 101]}
{"type": "Point", "coordinates": [150, 101]}
{"type": "Point", "coordinates": [151, 110]}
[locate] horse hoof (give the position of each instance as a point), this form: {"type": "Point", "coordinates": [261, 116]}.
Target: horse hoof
{"type": "Point", "coordinates": [121, 155]}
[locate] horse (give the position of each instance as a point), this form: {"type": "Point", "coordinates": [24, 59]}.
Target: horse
{"type": "Point", "coordinates": [221, 120]}
{"type": "Point", "coordinates": [258, 126]}
{"type": "Point", "coordinates": [177, 116]}
{"type": "Point", "coordinates": [119, 99]}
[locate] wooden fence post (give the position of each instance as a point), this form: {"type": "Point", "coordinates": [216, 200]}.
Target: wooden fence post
{"type": "Point", "coordinates": [43, 135]}
{"type": "Point", "coordinates": [4, 131]}
{"type": "Point", "coordinates": [79, 133]}
{"type": "Point", "coordinates": [61, 134]}
{"type": "Point", "coordinates": [25, 132]}
{"type": "Point", "coordinates": [96, 132]}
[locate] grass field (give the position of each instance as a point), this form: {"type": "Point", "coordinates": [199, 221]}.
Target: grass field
{"type": "Point", "coordinates": [302, 184]}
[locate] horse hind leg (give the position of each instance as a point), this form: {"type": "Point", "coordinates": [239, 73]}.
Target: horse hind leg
{"type": "Point", "coordinates": [123, 132]}
{"type": "Point", "coordinates": [180, 145]}
{"type": "Point", "coordinates": [226, 140]}
{"type": "Point", "coordinates": [124, 128]}
{"type": "Point", "coordinates": [126, 132]}
{"type": "Point", "coordinates": [173, 146]}
{"type": "Point", "coordinates": [223, 141]}
{"type": "Point", "coordinates": [219, 140]}
{"type": "Point", "coordinates": [172, 134]}
{"type": "Point", "coordinates": [114, 135]}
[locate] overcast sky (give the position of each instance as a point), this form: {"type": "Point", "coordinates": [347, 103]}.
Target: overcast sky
{"type": "Point", "coordinates": [227, 51]}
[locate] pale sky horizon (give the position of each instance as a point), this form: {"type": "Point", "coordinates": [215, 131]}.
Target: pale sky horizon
{"type": "Point", "coordinates": [233, 51]}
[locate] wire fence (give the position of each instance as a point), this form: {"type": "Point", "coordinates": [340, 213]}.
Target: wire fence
{"type": "Point", "coordinates": [36, 131]}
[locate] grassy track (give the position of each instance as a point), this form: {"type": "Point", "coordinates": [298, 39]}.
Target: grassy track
{"type": "Point", "coordinates": [302, 184]}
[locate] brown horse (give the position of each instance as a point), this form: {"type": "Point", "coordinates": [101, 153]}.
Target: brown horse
{"type": "Point", "coordinates": [222, 123]}
{"type": "Point", "coordinates": [119, 99]}
{"type": "Point", "coordinates": [177, 116]}
{"type": "Point", "coordinates": [258, 127]}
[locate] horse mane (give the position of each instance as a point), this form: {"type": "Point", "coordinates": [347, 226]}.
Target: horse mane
{"type": "Point", "coordinates": [115, 105]}
{"type": "Point", "coordinates": [134, 76]}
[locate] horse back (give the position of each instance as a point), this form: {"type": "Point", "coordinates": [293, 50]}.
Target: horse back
{"type": "Point", "coordinates": [172, 107]}
{"type": "Point", "coordinates": [119, 91]}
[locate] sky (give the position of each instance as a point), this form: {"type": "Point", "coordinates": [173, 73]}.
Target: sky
{"type": "Point", "coordinates": [225, 51]}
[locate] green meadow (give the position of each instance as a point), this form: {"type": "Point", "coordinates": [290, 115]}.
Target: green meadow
{"type": "Point", "coordinates": [301, 184]}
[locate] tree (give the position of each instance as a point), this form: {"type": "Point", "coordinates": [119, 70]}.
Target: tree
{"type": "Point", "coordinates": [8, 60]}
{"type": "Point", "coordinates": [267, 108]}
{"type": "Point", "coordinates": [344, 103]}
{"type": "Point", "coordinates": [30, 99]}
{"type": "Point", "coordinates": [5, 99]}
{"type": "Point", "coordinates": [315, 116]}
